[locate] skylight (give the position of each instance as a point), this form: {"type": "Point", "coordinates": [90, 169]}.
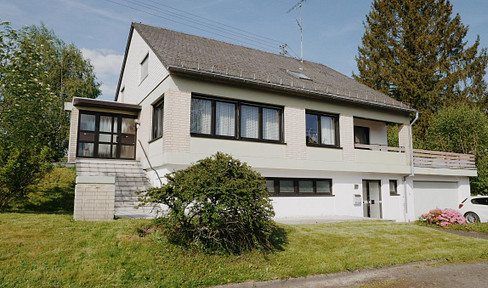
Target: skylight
{"type": "Point", "coordinates": [299, 75]}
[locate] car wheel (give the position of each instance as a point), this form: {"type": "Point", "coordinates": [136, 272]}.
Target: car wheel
{"type": "Point", "coordinates": [471, 217]}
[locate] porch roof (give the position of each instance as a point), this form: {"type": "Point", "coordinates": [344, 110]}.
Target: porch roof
{"type": "Point", "coordinates": [106, 104]}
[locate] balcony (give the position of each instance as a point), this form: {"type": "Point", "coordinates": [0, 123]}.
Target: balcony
{"type": "Point", "coordinates": [427, 158]}
{"type": "Point", "coordinates": [436, 159]}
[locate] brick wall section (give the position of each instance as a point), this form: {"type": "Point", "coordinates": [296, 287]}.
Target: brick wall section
{"type": "Point", "coordinates": [346, 127]}
{"type": "Point", "coordinates": [404, 139]}
{"type": "Point", "coordinates": [73, 135]}
{"type": "Point", "coordinates": [294, 119]}
{"type": "Point", "coordinates": [94, 201]}
{"type": "Point", "coordinates": [176, 126]}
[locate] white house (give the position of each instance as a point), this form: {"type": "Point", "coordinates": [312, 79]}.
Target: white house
{"type": "Point", "coordinates": [317, 136]}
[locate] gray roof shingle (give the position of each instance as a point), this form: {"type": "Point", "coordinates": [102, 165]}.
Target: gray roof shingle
{"type": "Point", "coordinates": [188, 54]}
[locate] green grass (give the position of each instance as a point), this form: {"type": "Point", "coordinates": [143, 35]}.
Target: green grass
{"type": "Point", "coordinates": [51, 250]}
{"type": "Point", "coordinates": [54, 193]}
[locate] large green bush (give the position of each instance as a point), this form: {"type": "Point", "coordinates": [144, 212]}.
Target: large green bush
{"type": "Point", "coordinates": [218, 204]}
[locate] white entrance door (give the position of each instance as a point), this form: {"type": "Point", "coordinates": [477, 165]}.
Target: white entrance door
{"type": "Point", "coordinates": [372, 199]}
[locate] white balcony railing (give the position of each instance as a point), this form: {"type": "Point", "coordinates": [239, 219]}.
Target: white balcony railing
{"type": "Point", "coordinates": [377, 147]}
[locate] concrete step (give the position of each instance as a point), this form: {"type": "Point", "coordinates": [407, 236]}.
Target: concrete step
{"type": "Point", "coordinates": [129, 178]}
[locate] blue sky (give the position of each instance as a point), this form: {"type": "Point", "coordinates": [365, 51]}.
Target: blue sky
{"type": "Point", "coordinates": [332, 29]}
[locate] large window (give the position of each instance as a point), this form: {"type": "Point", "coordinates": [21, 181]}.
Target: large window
{"type": "Point", "coordinates": [104, 135]}
{"type": "Point", "coordinates": [235, 120]}
{"type": "Point", "coordinates": [322, 129]}
{"type": "Point", "coordinates": [299, 187]}
{"type": "Point", "coordinates": [157, 125]}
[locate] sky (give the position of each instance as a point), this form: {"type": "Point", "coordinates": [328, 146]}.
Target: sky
{"type": "Point", "coordinates": [332, 29]}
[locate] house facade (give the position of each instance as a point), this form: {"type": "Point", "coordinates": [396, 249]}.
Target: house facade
{"type": "Point", "coordinates": [318, 137]}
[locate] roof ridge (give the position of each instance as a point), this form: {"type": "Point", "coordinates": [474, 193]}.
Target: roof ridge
{"type": "Point", "coordinates": [225, 42]}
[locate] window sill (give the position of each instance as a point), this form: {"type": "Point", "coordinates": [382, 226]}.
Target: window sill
{"type": "Point", "coordinates": [236, 139]}
{"type": "Point", "coordinates": [324, 146]}
{"type": "Point", "coordinates": [155, 139]}
{"type": "Point", "coordinates": [395, 195]}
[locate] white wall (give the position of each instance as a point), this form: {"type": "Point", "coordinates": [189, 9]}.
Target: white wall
{"type": "Point", "coordinates": [136, 90]}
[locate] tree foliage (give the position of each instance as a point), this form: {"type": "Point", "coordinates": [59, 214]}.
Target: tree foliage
{"type": "Point", "coordinates": [218, 204]}
{"type": "Point", "coordinates": [415, 52]}
{"type": "Point", "coordinates": [38, 73]}
{"type": "Point", "coordinates": [463, 129]}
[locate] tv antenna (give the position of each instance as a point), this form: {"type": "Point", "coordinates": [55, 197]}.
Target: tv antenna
{"type": "Point", "coordinates": [299, 5]}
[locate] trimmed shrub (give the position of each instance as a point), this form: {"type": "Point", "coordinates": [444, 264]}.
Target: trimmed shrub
{"type": "Point", "coordinates": [443, 218]}
{"type": "Point", "coordinates": [218, 204]}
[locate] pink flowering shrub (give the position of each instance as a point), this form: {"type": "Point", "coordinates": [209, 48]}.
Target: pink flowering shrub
{"type": "Point", "coordinates": [443, 218]}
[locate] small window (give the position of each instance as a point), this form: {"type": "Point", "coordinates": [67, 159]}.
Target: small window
{"type": "Point", "coordinates": [287, 186]}
{"type": "Point", "coordinates": [144, 67]}
{"type": "Point", "coordinates": [158, 114]}
{"type": "Point", "coordinates": [322, 129]}
{"type": "Point", "coordinates": [299, 187]}
{"type": "Point", "coordinates": [393, 187]}
{"type": "Point", "coordinates": [270, 186]}
{"type": "Point", "coordinates": [305, 186]}
{"type": "Point", "coordinates": [361, 135]}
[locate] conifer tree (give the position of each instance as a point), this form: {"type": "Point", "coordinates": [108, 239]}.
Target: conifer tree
{"type": "Point", "coordinates": [416, 52]}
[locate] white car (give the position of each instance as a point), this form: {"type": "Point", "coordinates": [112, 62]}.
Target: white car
{"type": "Point", "coordinates": [475, 209]}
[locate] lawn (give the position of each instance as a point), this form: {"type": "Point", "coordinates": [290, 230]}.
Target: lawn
{"type": "Point", "coordinates": [51, 250]}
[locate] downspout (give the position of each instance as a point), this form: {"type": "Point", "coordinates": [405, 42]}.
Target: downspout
{"type": "Point", "coordinates": [412, 173]}
{"type": "Point", "coordinates": [412, 170]}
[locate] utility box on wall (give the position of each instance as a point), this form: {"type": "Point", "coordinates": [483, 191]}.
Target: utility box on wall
{"type": "Point", "coordinates": [357, 199]}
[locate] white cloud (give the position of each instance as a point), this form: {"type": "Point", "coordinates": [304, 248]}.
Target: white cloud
{"type": "Point", "coordinates": [105, 61]}
{"type": "Point", "coordinates": [107, 68]}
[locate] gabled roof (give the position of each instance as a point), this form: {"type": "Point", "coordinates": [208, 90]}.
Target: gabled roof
{"type": "Point", "coordinates": [189, 55]}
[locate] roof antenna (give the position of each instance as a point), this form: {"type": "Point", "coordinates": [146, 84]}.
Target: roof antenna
{"type": "Point", "coordinates": [283, 49]}
{"type": "Point", "coordinates": [299, 4]}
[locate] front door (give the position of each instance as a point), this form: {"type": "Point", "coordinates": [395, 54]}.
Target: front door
{"type": "Point", "coordinates": [104, 135]}
{"type": "Point", "coordinates": [372, 199]}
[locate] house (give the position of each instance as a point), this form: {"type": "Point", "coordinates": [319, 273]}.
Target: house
{"type": "Point", "coordinates": [317, 136]}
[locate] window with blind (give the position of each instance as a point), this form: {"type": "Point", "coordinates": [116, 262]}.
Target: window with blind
{"type": "Point", "coordinates": [214, 117]}
{"type": "Point", "coordinates": [322, 129]}
{"type": "Point", "coordinates": [299, 187]}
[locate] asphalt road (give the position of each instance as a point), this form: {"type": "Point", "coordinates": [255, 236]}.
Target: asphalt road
{"type": "Point", "coordinates": [424, 274]}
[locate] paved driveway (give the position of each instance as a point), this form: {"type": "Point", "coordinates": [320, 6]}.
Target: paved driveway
{"type": "Point", "coordinates": [418, 275]}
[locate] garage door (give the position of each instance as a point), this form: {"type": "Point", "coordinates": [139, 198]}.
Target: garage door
{"type": "Point", "coordinates": [429, 195]}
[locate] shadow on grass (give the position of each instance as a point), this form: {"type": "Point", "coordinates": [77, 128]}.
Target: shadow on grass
{"type": "Point", "coordinates": [54, 194]}
{"type": "Point", "coordinates": [279, 238]}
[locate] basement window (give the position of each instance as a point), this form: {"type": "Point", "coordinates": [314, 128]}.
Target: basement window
{"type": "Point", "coordinates": [298, 75]}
